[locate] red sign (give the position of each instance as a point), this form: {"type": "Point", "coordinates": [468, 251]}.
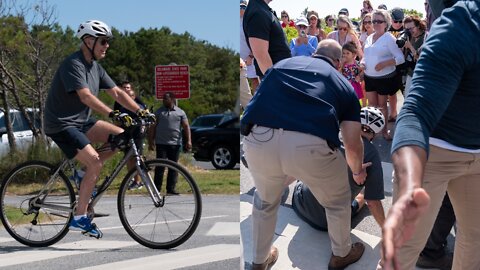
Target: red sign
{"type": "Point", "coordinates": [175, 79]}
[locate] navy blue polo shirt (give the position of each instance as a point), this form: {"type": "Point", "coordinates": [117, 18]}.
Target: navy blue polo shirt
{"type": "Point", "coordinates": [304, 94]}
{"type": "Point", "coordinates": [260, 21]}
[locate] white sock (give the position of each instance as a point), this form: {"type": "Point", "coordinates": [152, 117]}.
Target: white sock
{"type": "Point", "coordinates": [79, 217]}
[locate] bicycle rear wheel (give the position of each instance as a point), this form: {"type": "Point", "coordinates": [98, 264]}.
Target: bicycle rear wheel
{"type": "Point", "coordinates": [21, 189]}
{"type": "Point", "coordinates": [165, 226]}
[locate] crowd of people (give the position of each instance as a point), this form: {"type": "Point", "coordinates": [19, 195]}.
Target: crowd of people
{"type": "Point", "coordinates": [377, 71]}
{"type": "Point", "coordinates": [312, 89]}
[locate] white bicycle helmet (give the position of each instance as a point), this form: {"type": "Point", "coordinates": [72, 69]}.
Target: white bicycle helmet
{"type": "Point", "coordinates": [94, 28]}
{"type": "Point", "coordinates": [372, 118]}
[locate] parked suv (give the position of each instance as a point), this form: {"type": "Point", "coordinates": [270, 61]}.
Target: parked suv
{"type": "Point", "coordinates": [219, 144]}
{"type": "Point", "coordinates": [21, 131]}
{"type": "Point", "coordinates": [210, 120]}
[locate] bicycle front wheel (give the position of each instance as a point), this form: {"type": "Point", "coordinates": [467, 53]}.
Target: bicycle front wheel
{"type": "Point", "coordinates": [32, 213]}
{"type": "Point", "coordinates": [165, 226]}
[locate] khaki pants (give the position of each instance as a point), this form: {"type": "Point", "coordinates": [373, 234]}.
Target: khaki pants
{"type": "Point", "coordinates": [459, 173]}
{"type": "Point", "coordinates": [275, 154]}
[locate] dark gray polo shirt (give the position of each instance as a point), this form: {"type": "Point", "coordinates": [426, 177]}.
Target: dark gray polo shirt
{"type": "Point", "coordinates": [63, 107]}
{"type": "Point", "coordinates": [169, 126]}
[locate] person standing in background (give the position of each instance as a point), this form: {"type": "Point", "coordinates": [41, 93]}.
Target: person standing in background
{"type": "Point", "coordinates": [166, 135]}
{"type": "Point", "coordinates": [264, 35]}
{"type": "Point", "coordinates": [245, 52]}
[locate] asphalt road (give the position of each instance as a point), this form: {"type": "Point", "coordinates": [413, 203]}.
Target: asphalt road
{"type": "Point", "coordinates": [214, 245]}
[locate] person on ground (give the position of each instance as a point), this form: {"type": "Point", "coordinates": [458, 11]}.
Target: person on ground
{"type": "Point", "coordinates": [68, 121]}
{"type": "Point", "coordinates": [436, 147]}
{"type": "Point", "coordinates": [283, 143]}
{"type": "Point", "coordinates": [311, 211]}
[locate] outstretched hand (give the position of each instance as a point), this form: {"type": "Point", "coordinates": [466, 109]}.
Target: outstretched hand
{"type": "Point", "coordinates": [400, 224]}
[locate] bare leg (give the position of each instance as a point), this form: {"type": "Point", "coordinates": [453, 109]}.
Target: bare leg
{"type": "Point", "coordinates": [372, 99]}
{"type": "Point", "coordinates": [255, 82]}
{"type": "Point", "coordinates": [376, 209]}
{"type": "Point", "coordinates": [393, 106]}
{"type": "Point", "coordinates": [93, 161]}
{"type": "Point", "coordinates": [382, 104]}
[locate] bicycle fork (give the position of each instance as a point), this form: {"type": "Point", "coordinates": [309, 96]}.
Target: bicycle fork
{"type": "Point", "coordinates": [158, 200]}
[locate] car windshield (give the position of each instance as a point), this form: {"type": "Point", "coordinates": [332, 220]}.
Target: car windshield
{"type": "Point", "coordinates": [207, 121]}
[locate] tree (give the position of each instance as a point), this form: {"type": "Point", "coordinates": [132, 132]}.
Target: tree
{"type": "Point", "coordinates": [31, 53]}
{"type": "Point", "coordinates": [412, 12]}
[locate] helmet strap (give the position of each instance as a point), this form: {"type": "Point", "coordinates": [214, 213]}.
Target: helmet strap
{"type": "Point", "coordinates": [92, 49]}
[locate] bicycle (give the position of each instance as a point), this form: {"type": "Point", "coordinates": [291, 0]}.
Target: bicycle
{"type": "Point", "coordinates": [37, 199]}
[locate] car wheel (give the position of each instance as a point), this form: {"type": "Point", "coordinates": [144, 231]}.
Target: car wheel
{"type": "Point", "coordinates": [222, 157]}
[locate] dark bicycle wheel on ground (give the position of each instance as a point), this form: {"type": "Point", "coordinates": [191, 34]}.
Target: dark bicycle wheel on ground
{"type": "Point", "coordinates": [160, 226]}
{"type": "Point", "coordinates": [25, 186]}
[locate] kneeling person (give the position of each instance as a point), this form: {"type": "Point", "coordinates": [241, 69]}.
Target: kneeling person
{"type": "Point", "coordinates": [310, 210]}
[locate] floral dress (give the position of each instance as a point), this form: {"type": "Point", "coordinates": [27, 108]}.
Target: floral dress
{"type": "Point", "coordinates": [350, 71]}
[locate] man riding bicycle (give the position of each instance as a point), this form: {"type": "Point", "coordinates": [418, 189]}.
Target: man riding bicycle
{"type": "Point", "coordinates": [72, 97]}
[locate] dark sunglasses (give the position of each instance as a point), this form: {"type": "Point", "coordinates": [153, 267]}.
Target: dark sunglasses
{"type": "Point", "coordinates": [243, 7]}
{"type": "Point", "coordinates": [367, 22]}
{"type": "Point", "coordinates": [342, 28]}
{"type": "Point", "coordinates": [377, 21]}
{"type": "Point", "coordinates": [397, 21]}
{"type": "Point", "coordinates": [104, 42]}
{"type": "Point", "coordinates": [330, 20]}
{"type": "Point", "coordinates": [284, 16]}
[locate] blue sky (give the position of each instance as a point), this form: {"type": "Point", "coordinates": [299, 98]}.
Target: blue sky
{"type": "Point", "coordinates": [215, 21]}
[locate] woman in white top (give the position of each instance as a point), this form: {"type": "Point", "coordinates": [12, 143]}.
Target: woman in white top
{"type": "Point", "coordinates": [346, 33]}
{"type": "Point", "coordinates": [381, 55]}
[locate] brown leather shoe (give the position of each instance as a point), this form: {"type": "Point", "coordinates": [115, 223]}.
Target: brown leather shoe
{"type": "Point", "coordinates": [339, 263]}
{"type": "Point", "coordinates": [267, 265]}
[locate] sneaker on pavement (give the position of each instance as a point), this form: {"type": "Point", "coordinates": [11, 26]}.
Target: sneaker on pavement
{"type": "Point", "coordinates": [86, 227]}
{"type": "Point", "coordinates": [443, 263]}
{"type": "Point", "coordinates": [339, 263]}
{"type": "Point", "coordinates": [135, 185]}
{"type": "Point", "coordinates": [267, 265]}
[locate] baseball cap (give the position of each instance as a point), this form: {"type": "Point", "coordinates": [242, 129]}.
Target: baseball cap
{"type": "Point", "coordinates": [382, 6]}
{"type": "Point", "coordinates": [301, 21]}
{"type": "Point", "coordinates": [397, 14]}
{"type": "Point", "coordinates": [343, 11]}
{"type": "Point", "coordinates": [243, 3]}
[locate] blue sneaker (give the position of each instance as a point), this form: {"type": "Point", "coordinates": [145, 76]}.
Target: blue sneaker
{"type": "Point", "coordinates": [86, 227]}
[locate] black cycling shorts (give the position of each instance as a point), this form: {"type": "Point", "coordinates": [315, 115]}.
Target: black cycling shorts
{"type": "Point", "coordinates": [72, 139]}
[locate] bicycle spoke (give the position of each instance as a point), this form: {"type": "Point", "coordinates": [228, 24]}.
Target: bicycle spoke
{"type": "Point", "coordinates": [31, 188]}
{"type": "Point", "coordinates": [173, 222]}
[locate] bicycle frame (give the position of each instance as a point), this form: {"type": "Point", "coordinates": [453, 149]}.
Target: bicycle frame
{"type": "Point", "coordinates": [139, 165]}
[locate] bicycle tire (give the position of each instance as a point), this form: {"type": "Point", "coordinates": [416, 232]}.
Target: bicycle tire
{"type": "Point", "coordinates": [22, 185]}
{"type": "Point", "coordinates": [148, 224]}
